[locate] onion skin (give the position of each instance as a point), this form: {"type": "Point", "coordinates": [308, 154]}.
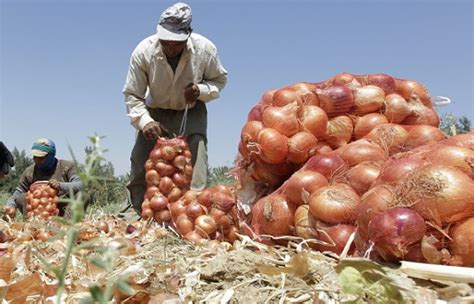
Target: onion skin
{"type": "Point", "coordinates": [283, 119]}
{"type": "Point", "coordinates": [346, 79]}
{"type": "Point", "coordinates": [250, 131]}
{"type": "Point", "coordinates": [314, 120]}
{"type": "Point", "coordinates": [385, 82]}
{"type": "Point", "coordinates": [362, 176]}
{"type": "Point", "coordinates": [390, 137]}
{"type": "Point", "coordinates": [396, 108]}
{"type": "Point", "coordinates": [274, 146]}
{"type": "Point", "coordinates": [339, 131]}
{"type": "Point", "coordinates": [373, 202]}
{"type": "Point", "coordinates": [301, 184]}
{"type": "Point", "coordinates": [338, 235]}
{"type": "Point", "coordinates": [460, 158]}
{"type": "Point", "coordinates": [421, 115]}
{"type": "Point", "coordinates": [205, 225]}
{"type": "Point", "coordinates": [304, 223]}
{"type": "Point", "coordinates": [412, 90]}
{"type": "Point", "coordinates": [274, 215]}
{"type": "Point", "coordinates": [283, 97]}
{"type": "Point", "coordinates": [394, 231]}
{"type": "Point", "coordinates": [395, 170]}
{"type": "Point", "coordinates": [423, 135]}
{"type": "Point", "coordinates": [440, 194]}
{"type": "Point", "coordinates": [336, 100]}
{"type": "Point", "coordinates": [301, 146]}
{"type": "Point", "coordinates": [306, 92]}
{"type": "Point", "coordinates": [330, 165]}
{"type": "Point", "coordinates": [334, 204]}
{"type": "Point", "coordinates": [256, 112]}
{"type": "Point", "coordinates": [368, 99]}
{"type": "Point", "coordinates": [366, 123]}
{"type": "Point", "coordinates": [462, 246]}
{"type": "Point", "coordinates": [362, 150]}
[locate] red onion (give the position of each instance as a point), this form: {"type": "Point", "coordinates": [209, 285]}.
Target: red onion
{"type": "Point", "coordinates": [336, 100]}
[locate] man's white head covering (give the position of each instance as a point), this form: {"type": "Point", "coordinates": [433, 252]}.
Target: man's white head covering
{"type": "Point", "coordinates": [175, 23]}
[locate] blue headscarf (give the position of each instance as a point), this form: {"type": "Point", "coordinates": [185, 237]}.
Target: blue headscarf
{"type": "Point", "coordinates": [49, 147]}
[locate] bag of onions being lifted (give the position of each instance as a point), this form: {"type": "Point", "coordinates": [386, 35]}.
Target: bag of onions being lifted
{"type": "Point", "coordinates": [41, 200]}
{"type": "Point", "coordinates": [168, 176]}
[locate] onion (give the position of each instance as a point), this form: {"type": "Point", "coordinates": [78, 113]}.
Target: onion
{"type": "Point", "coordinates": [231, 234]}
{"type": "Point", "coordinates": [395, 170]}
{"type": "Point", "coordinates": [205, 225]}
{"type": "Point", "coordinates": [179, 162]}
{"type": "Point", "coordinates": [205, 197]}
{"type": "Point", "coordinates": [301, 146]}
{"type": "Point", "coordinates": [250, 131]}
{"type": "Point", "coordinates": [462, 246]}
{"type": "Point", "coordinates": [149, 165]}
{"type": "Point", "coordinates": [314, 120]}
{"type": "Point", "coordinates": [190, 196]}
{"type": "Point", "coordinates": [394, 231]}
{"type": "Point", "coordinates": [283, 97]}
{"type": "Point", "coordinates": [410, 90]}
{"type": "Point", "coordinates": [274, 215]}
{"type": "Point", "coordinates": [421, 115]}
{"type": "Point", "coordinates": [385, 82]}
{"type": "Point", "coordinates": [147, 213]}
{"type": "Point", "coordinates": [151, 191]}
{"type": "Point", "coordinates": [337, 237]}
{"type": "Point", "coordinates": [168, 152]}
{"type": "Point", "coordinates": [322, 147]}
{"type": "Point", "coordinates": [422, 135]}
{"type": "Point", "coordinates": [334, 204]}
{"type": "Point", "coordinates": [158, 202]}
{"type": "Point", "coordinates": [346, 79]}
{"type": "Point", "coordinates": [177, 208]}
{"type": "Point", "coordinates": [461, 140]}
{"type": "Point", "coordinates": [283, 119]}
{"type": "Point", "coordinates": [166, 184]}
{"type": "Point", "coordinates": [301, 184]}
{"type": "Point", "coordinates": [306, 92]}
{"type": "Point", "coordinates": [180, 180]}
{"type": "Point", "coordinates": [339, 131]}
{"type": "Point", "coordinates": [184, 224]}
{"type": "Point", "coordinates": [373, 202]}
{"type": "Point", "coordinates": [194, 237]}
{"type": "Point", "coordinates": [396, 108]}
{"type": "Point", "coordinates": [304, 223]}
{"type": "Point", "coordinates": [363, 176]}
{"type": "Point", "coordinates": [336, 100]}
{"type": "Point", "coordinates": [274, 146]}
{"type": "Point", "coordinates": [366, 123]}
{"type": "Point", "coordinates": [256, 112]}
{"type": "Point", "coordinates": [223, 201]}
{"type": "Point", "coordinates": [362, 150]}
{"type": "Point", "coordinates": [330, 165]}
{"type": "Point", "coordinates": [174, 195]}
{"type": "Point", "coordinates": [155, 155]}
{"type": "Point", "coordinates": [460, 158]}
{"type": "Point", "coordinates": [390, 137]}
{"type": "Point", "coordinates": [162, 216]}
{"type": "Point", "coordinates": [438, 193]}
{"type": "Point", "coordinates": [188, 171]}
{"type": "Point", "coordinates": [263, 175]}
{"type": "Point", "coordinates": [194, 210]}
{"type": "Point", "coordinates": [368, 99]}
{"type": "Point", "coordinates": [152, 177]}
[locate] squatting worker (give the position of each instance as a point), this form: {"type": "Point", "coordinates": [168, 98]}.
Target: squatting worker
{"type": "Point", "coordinates": [169, 70]}
{"type": "Point", "coordinates": [60, 174]}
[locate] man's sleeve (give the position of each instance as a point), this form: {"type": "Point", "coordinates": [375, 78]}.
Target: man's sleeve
{"type": "Point", "coordinates": [23, 187]}
{"type": "Point", "coordinates": [73, 183]}
{"type": "Point", "coordinates": [135, 90]}
{"type": "Point", "coordinates": [214, 80]}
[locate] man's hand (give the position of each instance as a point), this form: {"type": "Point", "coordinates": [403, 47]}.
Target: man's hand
{"type": "Point", "coordinates": [153, 130]}
{"type": "Point", "coordinates": [6, 160]}
{"type": "Point", "coordinates": [191, 93]}
{"type": "Point", "coordinates": [53, 183]}
{"type": "Point", "coordinates": [10, 211]}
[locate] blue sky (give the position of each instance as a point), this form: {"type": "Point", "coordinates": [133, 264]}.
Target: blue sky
{"type": "Point", "coordinates": [63, 63]}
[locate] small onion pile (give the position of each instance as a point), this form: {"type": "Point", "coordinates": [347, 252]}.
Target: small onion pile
{"type": "Point", "coordinates": [41, 201]}
{"type": "Point", "coordinates": [291, 124]}
{"type": "Point", "coordinates": [207, 215]}
{"type": "Point", "coordinates": [168, 176]}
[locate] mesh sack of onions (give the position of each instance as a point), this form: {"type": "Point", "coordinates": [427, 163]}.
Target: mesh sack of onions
{"type": "Point", "coordinates": [168, 176]}
{"type": "Point", "coordinates": [290, 124]}
{"type": "Point", "coordinates": [41, 201]}
{"type": "Point", "coordinates": [207, 215]}
{"type": "Point", "coordinates": [421, 207]}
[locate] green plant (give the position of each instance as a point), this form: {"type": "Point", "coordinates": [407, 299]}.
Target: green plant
{"type": "Point", "coordinates": [220, 176]}
{"type": "Point", "coordinates": [453, 125]}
